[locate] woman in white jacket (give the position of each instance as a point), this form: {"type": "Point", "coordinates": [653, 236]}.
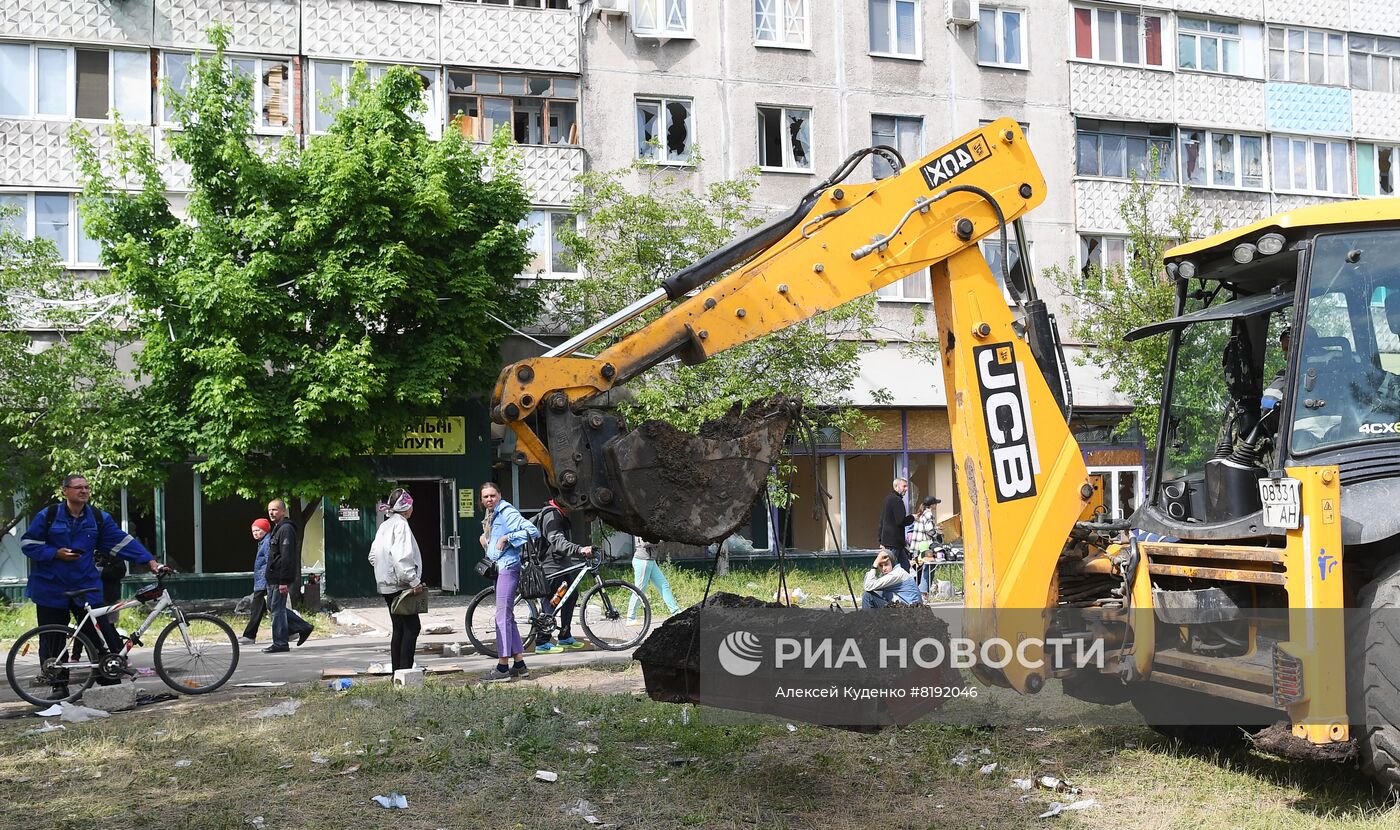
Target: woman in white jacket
{"type": "Point", "coordinates": [398, 565]}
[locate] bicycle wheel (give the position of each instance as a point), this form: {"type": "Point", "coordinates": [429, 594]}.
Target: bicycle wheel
{"type": "Point", "coordinates": [62, 676]}
{"type": "Point", "coordinates": [481, 621]}
{"type": "Point", "coordinates": [198, 659]}
{"type": "Point", "coordinates": [604, 611]}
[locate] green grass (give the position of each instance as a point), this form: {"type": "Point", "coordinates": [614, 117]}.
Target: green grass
{"type": "Point", "coordinates": [465, 756]}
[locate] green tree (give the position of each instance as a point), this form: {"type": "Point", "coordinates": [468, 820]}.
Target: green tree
{"type": "Point", "coordinates": [64, 404]}
{"type": "Point", "coordinates": [316, 301]}
{"type": "Point", "coordinates": [635, 237]}
{"type": "Point", "coordinates": [1109, 302]}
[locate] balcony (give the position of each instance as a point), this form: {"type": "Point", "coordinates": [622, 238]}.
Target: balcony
{"type": "Point", "coordinates": [510, 38]}
{"type": "Point", "coordinates": [549, 173]}
{"type": "Point", "coordinates": [1121, 92]}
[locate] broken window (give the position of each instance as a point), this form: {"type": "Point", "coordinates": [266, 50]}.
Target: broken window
{"type": "Point", "coordinates": [664, 131]}
{"type": "Point", "coordinates": [548, 253]}
{"type": "Point", "coordinates": [538, 109]}
{"type": "Point", "coordinates": [784, 138]}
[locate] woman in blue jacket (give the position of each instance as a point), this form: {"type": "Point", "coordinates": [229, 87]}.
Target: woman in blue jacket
{"type": "Point", "coordinates": [64, 541]}
{"type": "Point", "coordinates": [504, 535]}
{"type": "Point", "coordinates": [261, 529]}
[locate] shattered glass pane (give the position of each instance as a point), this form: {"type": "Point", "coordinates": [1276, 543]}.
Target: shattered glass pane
{"type": "Point", "coordinates": [648, 113]}
{"type": "Point", "coordinates": [677, 131]}
{"type": "Point", "coordinates": [800, 133]}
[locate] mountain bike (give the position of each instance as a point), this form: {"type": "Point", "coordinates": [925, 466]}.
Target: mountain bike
{"type": "Point", "coordinates": [603, 612]}
{"type": "Point", "coordinates": [194, 654]}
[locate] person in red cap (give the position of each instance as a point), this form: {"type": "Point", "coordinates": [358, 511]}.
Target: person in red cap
{"type": "Point", "coordinates": [261, 527]}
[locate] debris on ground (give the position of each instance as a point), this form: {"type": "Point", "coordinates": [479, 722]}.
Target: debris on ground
{"type": "Point", "coordinates": [350, 770]}
{"type": "Point", "coordinates": [1280, 740]}
{"type": "Point", "coordinates": [546, 776]}
{"type": "Point", "coordinates": [262, 684]}
{"type": "Point", "coordinates": [1058, 785]}
{"type": "Point", "coordinates": [962, 759]}
{"type": "Point", "coordinates": [257, 822]}
{"type": "Point", "coordinates": [318, 758]}
{"type": "Point", "coordinates": [76, 713]}
{"type": "Point", "coordinates": [285, 709]}
{"type": "Point", "coordinates": [440, 629]}
{"type": "Point", "coordinates": [988, 769]}
{"type": "Point", "coordinates": [1035, 729]}
{"type": "Point", "coordinates": [1022, 783]}
{"type": "Point", "coordinates": [340, 684]}
{"type": "Point", "coordinates": [338, 671]}
{"type": "Point", "coordinates": [183, 762]}
{"type": "Point", "coordinates": [795, 596]}
{"type": "Point", "coordinates": [47, 727]}
{"type": "Point", "coordinates": [392, 801]}
{"type": "Point", "coordinates": [1060, 807]}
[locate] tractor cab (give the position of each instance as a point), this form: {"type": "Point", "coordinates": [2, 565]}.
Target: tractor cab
{"type": "Point", "coordinates": [1285, 352]}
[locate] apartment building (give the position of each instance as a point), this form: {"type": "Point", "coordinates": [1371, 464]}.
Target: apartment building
{"type": "Point", "coordinates": [1257, 106]}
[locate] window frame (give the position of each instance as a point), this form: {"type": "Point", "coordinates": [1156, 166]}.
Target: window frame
{"type": "Point", "coordinates": [993, 242]}
{"type": "Point", "coordinates": [1083, 263]}
{"type": "Point", "coordinates": [1237, 151]}
{"type": "Point", "coordinates": [433, 120]}
{"type": "Point", "coordinates": [1310, 163]}
{"type": "Point", "coordinates": [550, 253]}
{"type": "Point", "coordinates": [1373, 172]}
{"type": "Point", "coordinates": [75, 231]}
{"type": "Point", "coordinates": [1220, 37]}
{"type": "Point", "coordinates": [899, 286]}
{"type": "Point", "coordinates": [1095, 38]}
{"type": "Point", "coordinates": [1343, 56]}
{"type": "Point", "coordinates": [892, 21]}
{"type": "Point", "coordinates": [547, 104]}
{"type": "Point", "coordinates": [876, 161]}
{"type": "Point", "coordinates": [662, 11]}
{"type": "Point", "coordinates": [1372, 56]}
{"type": "Point", "coordinates": [999, 37]}
{"type": "Point", "coordinates": [786, 143]}
{"type": "Point", "coordinates": [1170, 166]}
{"type": "Point", "coordinates": [781, 18]}
{"type": "Point", "coordinates": [662, 154]}
{"type": "Point", "coordinates": [257, 103]}
{"type": "Point", "coordinates": [70, 83]}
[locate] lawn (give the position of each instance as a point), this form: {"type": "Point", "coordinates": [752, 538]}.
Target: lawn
{"type": "Point", "coordinates": [465, 756]}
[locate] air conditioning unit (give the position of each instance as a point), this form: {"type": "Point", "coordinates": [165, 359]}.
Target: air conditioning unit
{"type": "Point", "coordinates": [962, 12]}
{"type": "Point", "coordinates": [611, 7]}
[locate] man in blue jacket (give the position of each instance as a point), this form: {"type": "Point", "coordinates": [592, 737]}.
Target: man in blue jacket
{"type": "Point", "coordinates": [64, 541]}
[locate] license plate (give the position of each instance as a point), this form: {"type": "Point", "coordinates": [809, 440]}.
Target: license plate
{"type": "Point", "coordinates": [1281, 502]}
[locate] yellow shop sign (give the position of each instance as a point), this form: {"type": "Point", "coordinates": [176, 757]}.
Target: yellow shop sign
{"type": "Point", "coordinates": [435, 436]}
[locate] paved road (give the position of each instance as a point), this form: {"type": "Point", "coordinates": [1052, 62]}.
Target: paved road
{"type": "Point", "coordinates": [304, 664]}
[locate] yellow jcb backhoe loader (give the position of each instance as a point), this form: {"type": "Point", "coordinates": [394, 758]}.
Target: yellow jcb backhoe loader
{"type": "Point", "coordinates": [1275, 487]}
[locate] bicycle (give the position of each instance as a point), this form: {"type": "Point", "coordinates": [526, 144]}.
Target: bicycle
{"type": "Point", "coordinates": [599, 613]}
{"type": "Point", "coordinates": [194, 654]}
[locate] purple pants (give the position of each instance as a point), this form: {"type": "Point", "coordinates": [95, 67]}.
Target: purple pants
{"type": "Point", "coordinates": [507, 633]}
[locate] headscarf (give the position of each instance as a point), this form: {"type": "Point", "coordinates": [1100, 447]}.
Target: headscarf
{"type": "Point", "coordinates": [399, 502]}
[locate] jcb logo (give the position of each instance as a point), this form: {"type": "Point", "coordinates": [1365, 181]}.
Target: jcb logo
{"type": "Point", "coordinates": [956, 161]}
{"type": "Point", "coordinates": [1010, 433]}
{"type": "Point", "coordinates": [1380, 429]}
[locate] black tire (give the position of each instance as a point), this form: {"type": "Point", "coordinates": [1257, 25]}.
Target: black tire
{"type": "Point", "coordinates": [1373, 674]}
{"type": "Point", "coordinates": [206, 664]}
{"type": "Point", "coordinates": [1163, 707]}
{"type": "Point", "coordinates": [27, 675]}
{"type": "Point", "coordinates": [481, 621]}
{"type": "Point", "coordinates": [603, 614]}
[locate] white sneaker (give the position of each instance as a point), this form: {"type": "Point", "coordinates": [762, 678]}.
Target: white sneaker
{"type": "Point", "coordinates": [247, 641]}
{"type": "Point", "coordinates": [633, 623]}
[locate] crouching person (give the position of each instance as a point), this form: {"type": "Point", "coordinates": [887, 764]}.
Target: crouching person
{"type": "Point", "coordinates": [886, 583]}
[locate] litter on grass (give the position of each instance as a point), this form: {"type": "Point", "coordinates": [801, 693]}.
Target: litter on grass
{"type": "Point", "coordinates": [988, 769]}
{"type": "Point", "coordinates": [262, 684]}
{"type": "Point", "coordinates": [75, 713]}
{"type": "Point", "coordinates": [1061, 807]}
{"type": "Point", "coordinates": [47, 727]}
{"type": "Point", "coordinates": [285, 709]}
{"type": "Point", "coordinates": [546, 776]}
{"type": "Point", "coordinates": [392, 801]}
{"type": "Point", "coordinates": [183, 762]}
{"type": "Point", "coordinates": [1059, 785]}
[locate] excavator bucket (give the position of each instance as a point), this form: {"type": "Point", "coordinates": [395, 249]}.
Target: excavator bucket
{"type": "Point", "coordinates": [661, 483]}
{"type": "Point", "coordinates": [699, 488]}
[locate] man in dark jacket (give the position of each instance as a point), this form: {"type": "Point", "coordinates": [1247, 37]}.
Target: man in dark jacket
{"type": "Point", "coordinates": [557, 545]}
{"type": "Point", "coordinates": [894, 517]}
{"type": "Point", "coordinates": [64, 541]}
{"type": "Point", "coordinates": [283, 571]}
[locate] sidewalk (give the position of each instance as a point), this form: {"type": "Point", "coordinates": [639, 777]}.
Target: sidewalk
{"type": "Point", "coordinates": [443, 610]}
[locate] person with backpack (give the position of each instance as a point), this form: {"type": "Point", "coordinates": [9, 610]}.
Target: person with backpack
{"type": "Point", "coordinates": [557, 552]}
{"type": "Point", "coordinates": [64, 541]}
{"type": "Point", "coordinates": [505, 535]}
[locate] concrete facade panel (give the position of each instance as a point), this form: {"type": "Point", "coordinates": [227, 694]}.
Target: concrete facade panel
{"type": "Point", "coordinates": [1096, 204]}
{"type": "Point", "coordinates": [1239, 9]}
{"type": "Point", "coordinates": [257, 26]}
{"type": "Point", "coordinates": [1306, 108]}
{"type": "Point", "coordinates": [38, 154]}
{"type": "Point", "coordinates": [1121, 93]}
{"type": "Point", "coordinates": [81, 21]}
{"type": "Point", "coordinates": [370, 30]}
{"type": "Point", "coordinates": [536, 39]}
{"type": "Point", "coordinates": [182, 24]}
{"type": "Point", "coordinates": [774, 64]}
{"type": "Point", "coordinates": [1228, 208]}
{"type": "Point", "coordinates": [928, 70]}
{"type": "Point", "coordinates": [611, 45]}
{"type": "Point", "coordinates": [1288, 201]}
{"type": "Point", "coordinates": [1329, 14]}
{"type": "Point", "coordinates": [1375, 115]}
{"type": "Point", "coordinates": [1376, 17]}
{"type": "Point", "coordinates": [1220, 101]}
{"type": "Point", "coordinates": [549, 173]}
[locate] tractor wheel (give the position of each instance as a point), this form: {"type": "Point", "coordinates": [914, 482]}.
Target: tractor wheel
{"type": "Point", "coordinates": [1373, 674]}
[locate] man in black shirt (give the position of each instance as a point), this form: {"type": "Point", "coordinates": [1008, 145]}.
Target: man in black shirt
{"type": "Point", "coordinates": [894, 517]}
{"type": "Point", "coordinates": [556, 541]}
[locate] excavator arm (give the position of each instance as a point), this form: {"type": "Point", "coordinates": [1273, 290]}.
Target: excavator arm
{"type": "Point", "coordinates": [1021, 472]}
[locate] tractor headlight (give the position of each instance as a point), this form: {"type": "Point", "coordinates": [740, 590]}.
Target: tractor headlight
{"type": "Point", "coordinates": [1270, 243]}
{"type": "Point", "coordinates": [1243, 253]}
{"type": "Point", "coordinates": [1186, 270]}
